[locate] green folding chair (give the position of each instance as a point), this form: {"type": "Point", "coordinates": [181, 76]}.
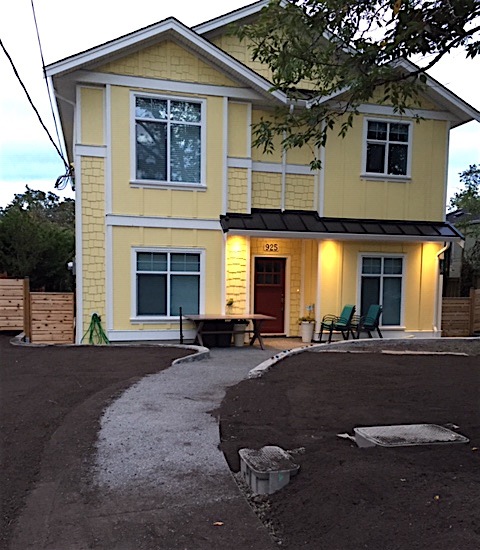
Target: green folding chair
{"type": "Point", "coordinates": [341, 323]}
{"type": "Point", "coordinates": [370, 322]}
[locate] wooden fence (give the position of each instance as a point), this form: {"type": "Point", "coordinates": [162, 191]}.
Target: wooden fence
{"type": "Point", "coordinates": [44, 317]}
{"type": "Point", "coordinates": [11, 304]}
{"type": "Point", "coordinates": [461, 316]}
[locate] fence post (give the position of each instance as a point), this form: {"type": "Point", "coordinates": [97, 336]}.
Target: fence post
{"type": "Point", "coordinates": [472, 312]}
{"type": "Point", "coordinates": [27, 317]}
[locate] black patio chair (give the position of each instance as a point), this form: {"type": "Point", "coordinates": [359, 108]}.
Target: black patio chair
{"type": "Point", "coordinates": [370, 322]}
{"type": "Point", "coordinates": [341, 323]}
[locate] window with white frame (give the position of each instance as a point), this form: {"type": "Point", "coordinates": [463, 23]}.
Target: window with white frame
{"type": "Point", "coordinates": [168, 140]}
{"type": "Point", "coordinates": [382, 283]}
{"type": "Point", "coordinates": [387, 148]}
{"type": "Point", "coordinates": [166, 281]}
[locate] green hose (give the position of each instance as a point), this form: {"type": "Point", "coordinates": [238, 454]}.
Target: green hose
{"type": "Point", "coordinates": [96, 334]}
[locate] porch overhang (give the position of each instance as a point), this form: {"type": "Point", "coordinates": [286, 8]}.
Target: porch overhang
{"type": "Point", "coordinates": [299, 224]}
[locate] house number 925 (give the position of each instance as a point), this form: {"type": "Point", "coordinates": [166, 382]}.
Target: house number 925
{"type": "Point", "coordinates": [270, 247]}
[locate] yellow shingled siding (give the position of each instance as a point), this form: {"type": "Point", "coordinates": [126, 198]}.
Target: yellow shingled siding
{"type": "Point", "coordinates": [169, 61]}
{"type": "Point", "coordinates": [349, 195]}
{"type": "Point", "coordinates": [241, 50]}
{"type": "Point", "coordinates": [93, 238]}
{"type": "Point", "coordinates": [127, 238]}
{"type": "Point", "coordinates": [236, 279]}
{"type": "Point", "coordinates": [237, 189]}
{"type": "Point", "coordinates": [92, 108]}
{"type": "Point", "coordinates": [266, 190]}
{"type": "Point", "coordinates": [299, 192]}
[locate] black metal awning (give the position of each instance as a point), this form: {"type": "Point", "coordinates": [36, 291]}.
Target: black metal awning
{"type": "Point", "coordinates": [309, 225]}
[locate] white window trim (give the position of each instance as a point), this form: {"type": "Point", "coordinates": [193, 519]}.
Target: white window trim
{"type": "Point", "coordinates": [362, 255]}
{"type": "Point", "coordinates": [134, 318]}
{"type": "Point", "coordinates": [386, 175]}
{"type": "Point", "coordinates": [203, 141]}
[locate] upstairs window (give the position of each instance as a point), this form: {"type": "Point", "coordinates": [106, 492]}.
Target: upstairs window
{"type": "Point", "coordinates": [168, 140]}
{"type": "Point", "coordinates": [387, 151]}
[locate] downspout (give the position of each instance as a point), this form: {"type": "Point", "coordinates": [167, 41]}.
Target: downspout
{"type": "Point", "coordinates": [437, 318]}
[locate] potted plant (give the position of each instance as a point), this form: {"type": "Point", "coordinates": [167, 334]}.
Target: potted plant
{"type": "Point", "coordinates": [307, 326]}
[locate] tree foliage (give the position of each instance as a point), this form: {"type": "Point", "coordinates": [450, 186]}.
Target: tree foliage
{"type": "Point", "coordinates": [467, 200]}
{"type": "Point", "coordinates": [354, 48]}
{"type": "Point", "coordinates": [37, 239]}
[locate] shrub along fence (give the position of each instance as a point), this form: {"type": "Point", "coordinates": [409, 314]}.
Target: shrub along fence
{"type": "Point", "coordinates": [44, 317]}
{"type": "Point", "coordinates": [461, 316]}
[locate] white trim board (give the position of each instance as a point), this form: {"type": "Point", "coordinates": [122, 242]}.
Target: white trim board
{"type": "Point", "coordinates": [149, 335]}
{"type": "Point", "coordinates": [118, 220]}
{"type": "Point", "coordinates": [157, 84]}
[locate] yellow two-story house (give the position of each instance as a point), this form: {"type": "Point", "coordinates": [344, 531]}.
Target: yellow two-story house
{"type": "Point", "coordinates": [175, 208]}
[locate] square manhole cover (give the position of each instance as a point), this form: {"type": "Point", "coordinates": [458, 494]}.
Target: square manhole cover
{"type": "Point", "coordinates": [405, 435]}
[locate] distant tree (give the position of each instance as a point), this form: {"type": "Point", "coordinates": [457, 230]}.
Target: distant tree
{"type": "Point", "coordinates": [37, 239]}
{"type": "Point", "coordinates": [468, 201]}
{"type": "Point", "coordinates": [356, 49]}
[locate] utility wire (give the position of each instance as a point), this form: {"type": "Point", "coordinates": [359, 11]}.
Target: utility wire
{"type": "Point", "coordinates": [33, 106]}
{"type": "Point", "coordinates": [46, 79]}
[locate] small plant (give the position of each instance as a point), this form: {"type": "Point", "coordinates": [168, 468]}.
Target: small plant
{"type": "Point", "coordinates": [230, 302]}
{"type": "Point", "coordinates": [306, 319]}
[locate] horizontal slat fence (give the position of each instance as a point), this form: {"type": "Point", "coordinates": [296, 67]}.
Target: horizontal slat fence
{"type": "Point", "coordinates": [11, 304]}
{"type": "Point", "coordinates": [476, 311]}
{"type": "Point", "coordinates": [51, 318]}
{"type": "Point", "coordinates": [461, 316]}
{"type": "Point", "coordinates": [44, 317]}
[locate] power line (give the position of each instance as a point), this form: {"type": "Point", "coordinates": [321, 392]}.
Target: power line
{"type": "Point", "coordinates": [45, 76]}
{"type": "Point", "coordinates": [60, 154]}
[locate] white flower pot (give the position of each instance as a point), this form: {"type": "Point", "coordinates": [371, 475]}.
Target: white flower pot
{"type": "Point", "coordinates": [239, 337]}
{"type": "Point", "coordinates": [306, 331]}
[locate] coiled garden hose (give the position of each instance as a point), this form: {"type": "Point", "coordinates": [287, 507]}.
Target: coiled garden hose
{"type": "Point", "coordinates": [95, 332]}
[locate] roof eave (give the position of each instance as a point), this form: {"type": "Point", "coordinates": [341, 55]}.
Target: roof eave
{"type": "Point", "coordinates": [340, 236]}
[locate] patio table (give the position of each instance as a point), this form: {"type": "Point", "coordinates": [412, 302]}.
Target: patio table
{"type": "Point", "coordinates": [256, 318]}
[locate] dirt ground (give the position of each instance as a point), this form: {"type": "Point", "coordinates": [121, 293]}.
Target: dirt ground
{"type": "Point", "coordinates": [342, 498]}
{"type": "Point", "coordinates": [345, 497]}
{"type": "Point", "coordinates": [40, 388]}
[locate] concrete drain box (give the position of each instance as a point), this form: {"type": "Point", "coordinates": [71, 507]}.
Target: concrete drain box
{"type": "Point", "coordinates": [405, 435]}
{"type": "Point", "coordinates": [268, 469]}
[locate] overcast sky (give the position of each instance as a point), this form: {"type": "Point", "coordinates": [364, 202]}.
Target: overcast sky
{"type": "Point", "coordinates": [67, 27]}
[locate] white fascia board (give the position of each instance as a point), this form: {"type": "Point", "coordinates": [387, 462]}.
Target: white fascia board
{"type": "Point", "coordinates": [171, 28]}
{"type": "Point", "coordinates": [229, 18]}
{"type": "Point", "coordinates": [450, 100]}
{"type": "Point", "coordinates": [341, 236]}
{"type": "Point", "coordinates": [462, 112]}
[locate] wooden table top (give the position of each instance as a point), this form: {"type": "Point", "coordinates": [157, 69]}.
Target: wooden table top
{"type": "Point", "coordinates": [213, 317]}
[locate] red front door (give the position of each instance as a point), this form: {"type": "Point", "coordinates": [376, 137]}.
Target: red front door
{"type": "Point", "coordinates": [269, 292]}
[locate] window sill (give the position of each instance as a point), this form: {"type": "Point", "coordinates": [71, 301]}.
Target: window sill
{"type": "Point", "coordinates": [392, 327]}
{"type": "Point", "coordinates": [153, 320]}
{"type": "Point", "coordinates": [386, 177]}
{"type": "Point", "coordinates": [168, 185]}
